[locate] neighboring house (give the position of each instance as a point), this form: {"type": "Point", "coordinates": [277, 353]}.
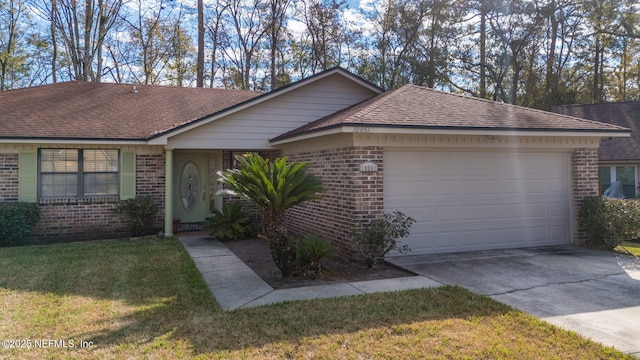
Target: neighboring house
{"type": "Point", "coordinates": [619, 157]}
{"type": "Point", "coordinates": [475, 174]}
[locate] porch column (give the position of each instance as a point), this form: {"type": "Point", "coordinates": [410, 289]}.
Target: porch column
{"type": "Point", "coordinates": [168, 195]}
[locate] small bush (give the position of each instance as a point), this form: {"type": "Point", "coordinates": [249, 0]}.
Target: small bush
{"type": "Point", "coordinates": [382, 236]}
{"type": "Point", "coordinates": [140, 213]}
{"type": "Point", "coordinates": [232, 223]}
{"type": "Point", "coordinates": [310, 251]}
{"type": "Point", "coordinates": [610, 222]}
{"type": "Point", "coordinates": [16, 221]}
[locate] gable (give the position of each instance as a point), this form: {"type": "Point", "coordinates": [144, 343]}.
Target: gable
{"type": "Point", "coordinates": [253, 126]}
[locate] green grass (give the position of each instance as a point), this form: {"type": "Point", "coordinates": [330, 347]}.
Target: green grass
{"type": "Point", "coordinates": [632, 248]}
{"type": "Point", "coordinates": [146, 299]}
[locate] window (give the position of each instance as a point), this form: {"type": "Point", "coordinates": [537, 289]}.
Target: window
{"type": "Point", "coordinates": [624, 174]}
{"type": "Point", "coordinates": [78, 173]}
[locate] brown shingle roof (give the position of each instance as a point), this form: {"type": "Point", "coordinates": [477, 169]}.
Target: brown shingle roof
{"type": "Point", "coordinates": [625, 114]}
{"type": "Point", "coordinates": [419, 107]}
{"type": "Point", "coordinates": [88, 110]}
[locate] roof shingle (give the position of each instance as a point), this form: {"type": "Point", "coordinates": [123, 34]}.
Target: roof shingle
{"type": "Point", "coordinates": [89, 110]}
{"type": "Point", "coordinates": [625, 114]}
{"type": "Point", "coordinates": [420, 107]}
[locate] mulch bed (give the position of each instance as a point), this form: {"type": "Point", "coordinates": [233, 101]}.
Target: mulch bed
{"type": "Point", "coordinates": [255, 253]}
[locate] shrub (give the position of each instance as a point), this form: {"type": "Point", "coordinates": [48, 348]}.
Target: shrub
{"type": "Point", "coordinates": [310, 251]}
{"type": "Point", "coordinates": [609, 222]}
{"type": "Point", "coordinates": [274, 186]}
{"type": "Point", "coordinates": [140, 213]}
{"type": "Point", "coordinates": [382, 236]}
{"type": "Point", "coordinates": [232, 223]}
{"type": "Point", "coordinates": [16, 221]}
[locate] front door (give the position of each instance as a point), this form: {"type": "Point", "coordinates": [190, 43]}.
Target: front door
{"type": "Point", "coordinates": [195, 191]}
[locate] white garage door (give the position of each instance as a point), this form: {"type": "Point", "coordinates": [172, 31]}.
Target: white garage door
{"type": "Point", "coordinates": [465, 201]}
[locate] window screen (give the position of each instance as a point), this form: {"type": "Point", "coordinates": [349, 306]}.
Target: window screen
{"type": "Point", "coordinates": [78, 172]}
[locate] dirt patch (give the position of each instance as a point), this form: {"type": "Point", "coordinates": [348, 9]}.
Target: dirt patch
{"type": "Point", "coordinates": [255, 253]}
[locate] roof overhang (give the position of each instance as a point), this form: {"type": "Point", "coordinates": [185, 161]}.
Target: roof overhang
{"type": "Point", "coordinates": [468, 131]}
{"type": "Point", "coordinates": [72, 141]}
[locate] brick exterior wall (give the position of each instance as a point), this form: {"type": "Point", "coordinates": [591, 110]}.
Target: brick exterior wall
{"type": "Point", "coordinates": [350, 200]}
{"type": "Point", "coordinates": [63, 220]}
{"type": "Point", "coordinates": [9, 177]}
{"type": "Point", "coordinates": [584, 182]}
{"type": "Point", "coordinates": [150, 180]}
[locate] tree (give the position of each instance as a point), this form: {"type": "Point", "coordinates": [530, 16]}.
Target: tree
{"type": "Point", "coordinates": [602, 22]}
{"type": "Point", "coordinates": [325, 33]}
{"type": "Point", "coordinates": [215, 32]}
{"type": "Point", "coordinates": [83, 30]}
{"type": "Point", "coordinates": [439, 31]}
{"type": "Point", "coordinates": [47, 10]}
{"type": "Point", "coordinates": [200, 62]}
{"type": "Point", "coordinates": [413, 42]}
{"type": "Point", "coordinates": [274, 186]}
{"type": "Point", "coordinates": [179, 66]}
{"type": "Point", "coordinates": [275, 22]}
{"type": "Point", "coordinates": [249, 33]}
{"type": "Point", "coordinates": [562, 19]}
{"type": "Point", "coordinates": [515, 23]}
{"type": "Point", "coordinates": [151, 35]}
{"type": "Point", "coordinates": [483, 48]}
{"type": "Point", "coordinates": [397, 32]}
{"type": "Point", "coordinates": [12, 56]}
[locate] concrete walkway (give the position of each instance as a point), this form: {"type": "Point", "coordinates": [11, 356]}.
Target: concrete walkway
{"type": "Point", "coordinates": [235, 285]}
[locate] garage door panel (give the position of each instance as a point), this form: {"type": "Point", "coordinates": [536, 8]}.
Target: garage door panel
{"type": "Point", "coordinates": [557, 233]}
{"type": "Point", "coordinates": [557, 209]}
{"type": "Point", "coordinates": [472, 201]}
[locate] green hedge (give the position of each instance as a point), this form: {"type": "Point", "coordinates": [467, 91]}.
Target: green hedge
{"type": "Point", "coordinates": [610, 222]}
{"type": "Point", "coordinates": [16, 221]}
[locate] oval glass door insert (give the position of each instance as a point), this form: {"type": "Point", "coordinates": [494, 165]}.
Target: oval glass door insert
{"type": "Point", "coordinates": [189, 186]}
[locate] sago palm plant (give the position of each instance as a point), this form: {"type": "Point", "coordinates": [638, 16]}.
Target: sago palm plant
{"type": "Point", "coordinates": [274, 186]}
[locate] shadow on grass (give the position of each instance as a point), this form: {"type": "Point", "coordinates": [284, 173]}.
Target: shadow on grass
{"type": "Point", "coordinates": [128, 270]}
{"type": "Point", "coordinates": [218, 332]}
{"type": "Point", "coordinates": [152, 300]}
{"type": "Point", "coordinates": [164, 295]}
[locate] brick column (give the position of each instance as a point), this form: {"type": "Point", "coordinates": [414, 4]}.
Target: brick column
{"type": "Point", "coordinates": [9, 174]}
{"type": "Point", "coordinates": [584, 183]}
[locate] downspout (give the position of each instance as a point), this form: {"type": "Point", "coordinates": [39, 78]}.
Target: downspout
{"type": "Point", "coordinates": [168, 196]}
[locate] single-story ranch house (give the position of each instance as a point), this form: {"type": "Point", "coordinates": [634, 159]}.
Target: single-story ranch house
{"type": "Point", "coordinates": [475, 174]}
{"type": "Point", "coordinates": [619, 157]}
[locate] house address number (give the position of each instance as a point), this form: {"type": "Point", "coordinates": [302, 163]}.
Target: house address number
{"type": "Point", "coordinates": [361, 129]}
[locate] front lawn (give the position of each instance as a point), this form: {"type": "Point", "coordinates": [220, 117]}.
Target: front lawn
{"type": "Point", "coordinates": [629, 247]}
{"type": "Point", "coordinates": [145, 299]}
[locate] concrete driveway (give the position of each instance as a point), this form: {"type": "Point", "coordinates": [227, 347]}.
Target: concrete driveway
{"type": "Point", "coordinates": [594, 293]}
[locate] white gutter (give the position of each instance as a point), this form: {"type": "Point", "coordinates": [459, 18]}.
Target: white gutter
{"type": "Point", "coordinates": [73, 141]}
{"type": "Point", "coordinates": [427, 131]}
